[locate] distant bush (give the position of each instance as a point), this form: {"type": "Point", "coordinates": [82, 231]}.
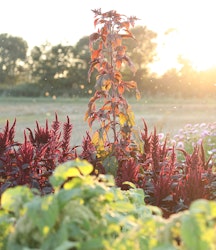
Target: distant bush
{"type": "Point", "coordinates": [22, 90]}
{"type": "Point", "coordinates": [60, 87]}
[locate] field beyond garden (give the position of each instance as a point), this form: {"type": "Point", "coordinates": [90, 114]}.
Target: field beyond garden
{"type": "Point", "coordinates": [168, 115]}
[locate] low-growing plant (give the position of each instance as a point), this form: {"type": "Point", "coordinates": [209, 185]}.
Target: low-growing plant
{"type": "Point", "coordinates": [33, 161]}
{"type": "Point", "coordinates": [171, 184]}
{"type": "Point", "coordinates": [84, 212]}
{"type": "Point", "coordinates": [89, 212]}
{"type": "Point", "coordinates": [190, 135]}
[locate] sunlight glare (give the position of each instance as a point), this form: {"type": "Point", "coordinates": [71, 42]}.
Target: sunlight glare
{"type": "Point", "coordinates": [198, 40]}
{"type": "Point", "coordinates": [190, 35]}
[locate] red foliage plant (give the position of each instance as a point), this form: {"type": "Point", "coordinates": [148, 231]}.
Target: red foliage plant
{"type": "Point", "coordinates": [33, 161]}
{"type": "Point", "coordinates": [116, 119]}
{"type": "Point", "coordinates": [115, 114]}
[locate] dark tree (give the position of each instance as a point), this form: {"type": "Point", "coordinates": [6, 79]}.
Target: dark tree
{"type": "Point", "coordinates": [13, 52]}
{"type": "Point", "coordinates": [142, 51]}
{"type": "Point", "coordinates": [50, 62]}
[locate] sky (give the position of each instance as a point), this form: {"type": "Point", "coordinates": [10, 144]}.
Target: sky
{"type": "Point", "coordinates": [191, 22]}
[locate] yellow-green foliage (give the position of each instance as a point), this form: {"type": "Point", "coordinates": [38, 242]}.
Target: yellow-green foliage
{"type": "Point", "coordinates": [88, 212]}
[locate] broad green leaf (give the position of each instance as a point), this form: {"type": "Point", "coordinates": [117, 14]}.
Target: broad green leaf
{"type": "Point", "coordinates": [137, 195]}
{"type": "Point", "coordinates": [64, 196]}
{"type": "Point", "coordinates": [13, 199]}
{"type": "Point", "coordinates": [111, 165]}
{"type": "Point", "coordinates": [191, 233]}
{"type": "Point", "coordinates": [123, 207]}
{"type": "Point", "coordinates": [44, 212]}
{"type": "Point", "coordinates": [205, 207]}
{"type": "Point", "coordinates": [69, 169]}
{"type": "Point", "coordinates": [205, 213]}
{"type": "Point", "coordinates": [59, 239]}
{"type": "Point", "coordinates": [92, 244]}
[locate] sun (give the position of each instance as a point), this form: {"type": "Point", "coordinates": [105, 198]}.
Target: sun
{"type": "Point", "coordinates": [197, 35]}
{"type": "Point", "coordinates": [199, 45]}
{"type": "Point", "coordinates": [191, 35]}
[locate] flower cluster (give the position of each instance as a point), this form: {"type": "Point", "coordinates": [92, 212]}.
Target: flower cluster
{"type": "Point", "coordinates": [191, 135]}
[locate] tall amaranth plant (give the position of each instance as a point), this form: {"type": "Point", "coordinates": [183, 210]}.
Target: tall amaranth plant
{"type": "Point", "coordinates": [108, 104]}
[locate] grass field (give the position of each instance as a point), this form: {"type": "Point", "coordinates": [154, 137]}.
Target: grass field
{"type": "Point", "coordinates": [167, 115]}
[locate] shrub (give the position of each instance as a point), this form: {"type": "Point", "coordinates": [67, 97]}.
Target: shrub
{"type": "Point", "coordinates": [89, 212]}
{"type": "Point", "coordinates": [25, 89]}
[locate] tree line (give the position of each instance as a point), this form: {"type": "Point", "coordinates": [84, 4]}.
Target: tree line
{"type": "Point", "coordinates": [63, 69]}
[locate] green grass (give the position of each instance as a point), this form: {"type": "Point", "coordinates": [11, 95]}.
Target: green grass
{"type": "Point", "coordinates": [168, 115]}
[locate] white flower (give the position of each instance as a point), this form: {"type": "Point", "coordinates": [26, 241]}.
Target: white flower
{"type": "Point", "coordinates": [180, 144]}
{"type": "Point", "coordinates": [161, 136]}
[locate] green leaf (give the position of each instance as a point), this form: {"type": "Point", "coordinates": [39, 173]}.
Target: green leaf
{"type": "Point", "coordinates": [57, 239]}
{"type": "Point", "coordinates": [64, 196]}
{"type": "Point", "coordinates": [6, 226]}
{"type": "Point", "coordinates": [205, 207]}
{"type": "Point", "coordinates": [111, 165]}
{"type": "Point", "coordinates": [69, 169]}
{"type": "Point", "coordinates": [13, 199]}
{"type": "Point", "coordinates": [123, 207]}
{"type": "Point", "coordinates": [93, 244]}
{"type": "Point", "coordinates": [44, 212]}
{"type": "Point", "coordinates": [78, 212]}
{"type": "Point", "coordinates": [131, 184]}
{"type": "Point", "coordinates": [191, 233]}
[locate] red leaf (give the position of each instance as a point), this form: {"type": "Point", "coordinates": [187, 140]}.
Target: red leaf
{"type": "Point", "coordinates": [125, 25]}
{"type": "Point", "coordinates": [95, 54]}
{"type": "Point", "coordinates": [92, 38]}
{"type": "Point", "coordinates": [96, 22]}
{"type": "Point", "coordinates": [120, 89]}
{"type": "Point", "coordinates": [118, 76]}
{"type": "Point", "coordinates": [118, 64]}
{"type": "Point", "coordinates": [131, 84]}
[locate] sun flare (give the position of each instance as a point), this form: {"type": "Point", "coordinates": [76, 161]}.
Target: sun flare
{"type": "Point", "coordinates": [191, 35]}
{"type": "Point", "coordinates": [200, 49]}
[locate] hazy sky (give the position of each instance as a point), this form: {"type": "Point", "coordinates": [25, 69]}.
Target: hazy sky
{"type": "Point", "coordinates": [57, 21]}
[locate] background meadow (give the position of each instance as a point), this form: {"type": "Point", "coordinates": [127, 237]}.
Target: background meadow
{"type": "Point", "coordinates": [168, 115]}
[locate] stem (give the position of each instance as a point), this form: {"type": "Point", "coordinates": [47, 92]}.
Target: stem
{"type": "Point", "coordinates": [110, 56]}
